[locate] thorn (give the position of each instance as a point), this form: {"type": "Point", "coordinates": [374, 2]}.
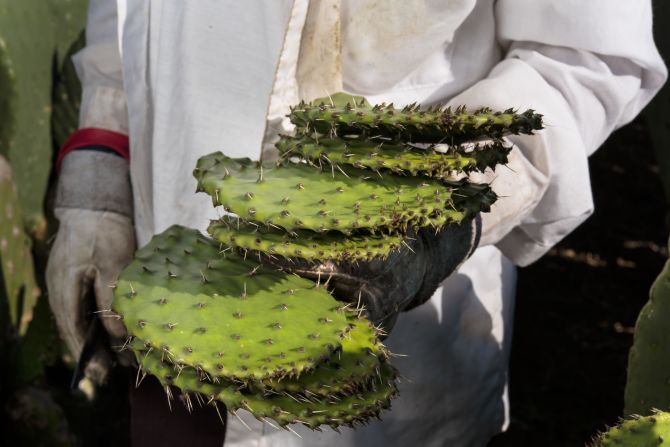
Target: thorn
{"type": "Point", "coordinates": [234, 413]}
{"type": "Point", "coordinates": [168, 392]}
{"type": "Point", "coordinates": [267, 421]}
{"type": "Point", "coordinates": [293, 431]}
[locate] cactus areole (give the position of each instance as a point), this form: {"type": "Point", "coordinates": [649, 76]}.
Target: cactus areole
{"type": "Point", "coordinates": [213, 317]}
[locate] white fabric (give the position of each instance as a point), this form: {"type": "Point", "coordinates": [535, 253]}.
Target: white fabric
{"type": "Point", "coordinates": [198, 77]}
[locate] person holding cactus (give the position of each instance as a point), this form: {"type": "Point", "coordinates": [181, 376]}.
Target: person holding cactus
{"type": "Point", "coordinates": [165, 82]}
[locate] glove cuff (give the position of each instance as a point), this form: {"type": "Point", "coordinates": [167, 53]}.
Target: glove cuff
{"type": "Point", "coordinates": [95, 180]}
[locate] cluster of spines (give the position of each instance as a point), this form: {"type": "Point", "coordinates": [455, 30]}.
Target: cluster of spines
{"type": "Point", "coordinates": [401, 159]}
{"type": "Point", "coordinates": [412, 123]}
{"type": "Point", "coordinates": [346, 408]}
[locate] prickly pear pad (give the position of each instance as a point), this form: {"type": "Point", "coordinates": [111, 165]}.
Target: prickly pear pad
{"type": "Point", "coordinates": [346, 371]}
{"type": "Point", "coordinates": [304, 244]}
{"type": "Point", "coordinates": [399, 158]}
{"type": "Point", "coordinates": [638, 431]}
{"type": "Point", "coordinates": [434, 125]}
{"type": "Point", "coordinates": [227, 316]}
{"type": "Point", "coordinates": [297, 196]}
{"type": "Point", "coordinates": [340, 410]}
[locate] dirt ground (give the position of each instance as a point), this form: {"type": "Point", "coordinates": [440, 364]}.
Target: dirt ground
{"type": "Point", "coordinates": [576, 307]}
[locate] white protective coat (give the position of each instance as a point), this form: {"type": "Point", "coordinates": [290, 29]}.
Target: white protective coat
{"type": "Point", "coordinates": [206, 75]}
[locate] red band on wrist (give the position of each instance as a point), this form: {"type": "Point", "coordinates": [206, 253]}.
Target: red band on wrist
{"type": "Point", "coordinates": [91, 136]}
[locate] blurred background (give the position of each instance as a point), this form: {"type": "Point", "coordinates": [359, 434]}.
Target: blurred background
{"type": "Point", "coordinates": [575, 313]}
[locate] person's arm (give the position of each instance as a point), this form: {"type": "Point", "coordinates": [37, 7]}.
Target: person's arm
{"type": "Point", "coordinates": [589, 67]}
{"type": "Point", "coordinates": [95, 238]}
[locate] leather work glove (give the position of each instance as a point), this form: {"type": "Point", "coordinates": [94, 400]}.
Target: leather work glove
{"type": "Point", "coordinates": [95, 241]}
{"type": "Point", "coordinates": [406, 279]}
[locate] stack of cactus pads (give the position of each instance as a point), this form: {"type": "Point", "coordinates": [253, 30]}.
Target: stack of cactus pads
{"type": "Point", "coordinates": [216, 318]}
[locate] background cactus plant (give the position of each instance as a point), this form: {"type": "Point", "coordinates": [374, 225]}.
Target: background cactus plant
{"type": "Point", "coordinates": [648, 384]}
{"type": "Point", "coordinates": [35, 36]}
{"type": "Point", "coordinates": [636, 431]}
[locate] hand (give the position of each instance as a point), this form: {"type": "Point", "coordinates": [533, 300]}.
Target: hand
{"type": "Point", "coordinates": [95, 241]}
{"type": "Point", "coordinates": [406, 279]}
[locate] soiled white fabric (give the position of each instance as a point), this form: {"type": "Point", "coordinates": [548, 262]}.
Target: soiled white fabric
{"type": "Point", "coordinates": [199, 76]}
{"type": "Point", "coordinates": [90, 250]}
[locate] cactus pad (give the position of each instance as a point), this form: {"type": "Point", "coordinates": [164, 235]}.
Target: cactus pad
{"type": "Point", "coordinates": [297, 196]}
{"type": "Point", "coordinates": [351, 368]}
{"type": "Point", "coordinates": [16, 260]}
{"type": "Point", "coordinates": [395, 157]}
{"type": "Point", "coordinates": [230, 317]}
{"type": "Point", "coordinates": [648, 384]}
{"type": "Point", "coordinates": [336, 411]}
{"type": "Point", "coordinates": [435, 125]}
{"type": "Point", "coordinates": [649, 431]}
{"type": "Point", "coordinates": [303, 244]}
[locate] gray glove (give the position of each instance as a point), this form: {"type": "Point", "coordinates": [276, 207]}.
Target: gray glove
{"type": "Point", "coordinates": [406, 279]}
{"type": "Point", "coordinates": [95, 241]}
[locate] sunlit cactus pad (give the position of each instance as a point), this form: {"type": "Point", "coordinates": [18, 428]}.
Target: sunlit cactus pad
{"type": "Point", "coordinates": [297, 196]}
{"type": "Point", "coordinates": [381, 155]}
{"type": "Point", "coordinates": [410, 123]}
{"type": "Point", "coordinates": [305, 244]}
{"type": "Point", "coordinates": [227, 316]}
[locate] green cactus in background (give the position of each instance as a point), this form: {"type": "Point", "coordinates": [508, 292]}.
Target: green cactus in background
{"type": "Point", "coordinates": [648, 384]}
{"type": "Point", "coordinates": [34, 34]}
{"type": "Point", "coordinates": [217, 319]}
{"type": "Point", "coordinates": [67, 96]}
{"type": "Point", "coordinates": [648, 431]}
{"type": "Point", "coordinates": [16, 260]}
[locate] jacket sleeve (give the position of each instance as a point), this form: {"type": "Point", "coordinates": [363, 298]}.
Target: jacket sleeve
{"type": "Point", "coordinates": [99, 69]}
{"type": "Point", "coordinates": [589, 67]}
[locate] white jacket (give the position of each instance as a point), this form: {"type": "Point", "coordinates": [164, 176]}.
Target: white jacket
{"type": "Point", "coordinates": [183, 79]}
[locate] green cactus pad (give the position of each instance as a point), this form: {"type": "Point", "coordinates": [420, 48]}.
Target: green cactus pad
{"type": "Point", "coordinates": [648, 383]}
{"type": "Point", "coordinates": [337, 411]}
{"type": "Point", "coordinates": [434, 125]}
{"type": "Point", "coordinates": [228, 316]}
{"type": "Point", "coordinates": [303, 244]}
{"type": "Point", "coordinates": [359, 360]}
{"type": "Point", "coordinates": [16, 260]}
{"type": "Point", "coordinates": [297, 196]}
{"type": "Point", "coordinates": [649, 431]}
{"type": "Point", "coordinates": [401, 159]}
{"type": "Point", "coordinates": [35, 35]}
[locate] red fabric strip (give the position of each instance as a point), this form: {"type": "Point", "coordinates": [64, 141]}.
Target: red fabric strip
{"type": "Point", "coordinates": [92, 136]}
